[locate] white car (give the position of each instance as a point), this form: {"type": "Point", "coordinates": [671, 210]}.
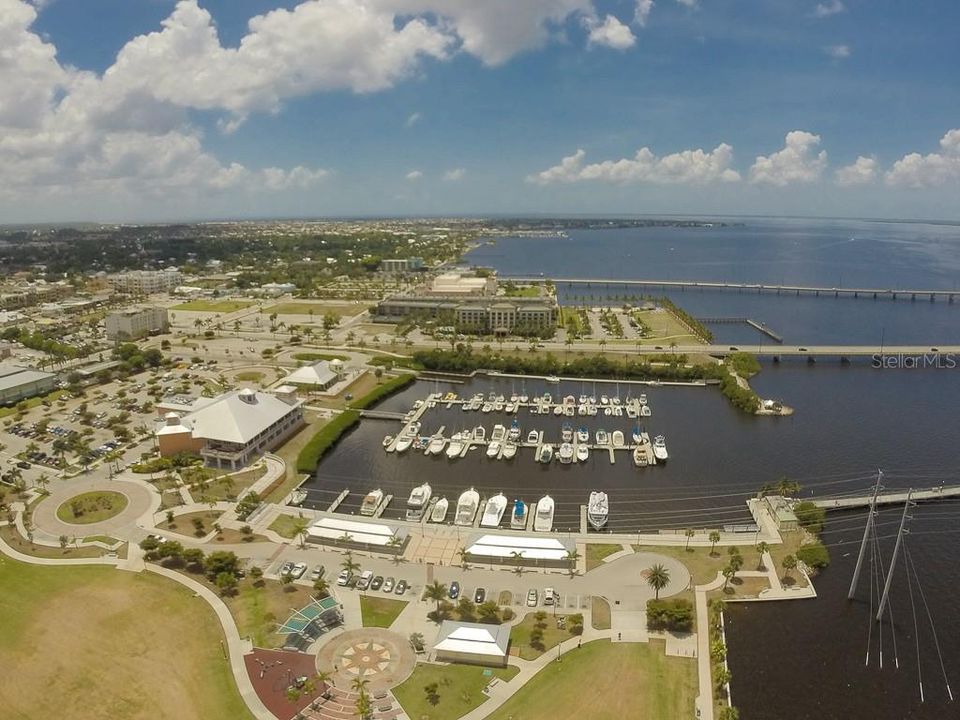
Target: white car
{"type": "Point", "coordinates": [344, 577]}
{"type": "Point", "coordinates": [531, 598]}
{"type": "Point", "coordinates": [549, 596]}
{"type": "Point", "coordinates": [298, 570]}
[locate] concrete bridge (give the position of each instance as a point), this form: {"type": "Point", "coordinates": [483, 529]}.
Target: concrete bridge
{"type": "Point", "coordinates": [760, 288]}
{"type": "Point", "coordinates": [899, 356]}
{"type": "Point", "coordinates": [897, 497]}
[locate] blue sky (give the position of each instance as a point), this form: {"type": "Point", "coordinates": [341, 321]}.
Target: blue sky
{"type": "Point", "coordinates": [145, 109]}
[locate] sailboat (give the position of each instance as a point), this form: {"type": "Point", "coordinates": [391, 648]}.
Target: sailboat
{"type": "Point", "coordinates": [565, 453]}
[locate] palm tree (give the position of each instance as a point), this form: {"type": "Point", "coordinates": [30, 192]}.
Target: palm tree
{"type": "Point", "coordinates": [299, 526]}
{"type": "Point", "coordinates": [689, 533]}
{"type": "Point", "coordinates": [572, 557]}
{"type": "Point", "coordinates": [360, 685]}
{"type": "Point", "coordinates": [714, 539]}
{"type": "Point", "coordinates": [436, 591]}
{"type": "Point", "coordinates": [464, 557]}
{"type": "Point", "coordinates": [489, 610]}
{"type": "Point", "coordinates": [658, 577]}
{"type": "Point", "coordinates": [789, 563]}
{"type": "Point", "coordinates": [393, 543]}
{"type": "Point", "coordinates": [349, 564]}
{"type": "Point", "coordinates": [321, 587]}
{"type": "Point", "coordinates": [762, 547]}
{"type": "Point", "coordinates": [363, 708]}
{"type": "Point", "coordinates": [517, 557]}
{"type": "Point", "coordinates": [728, 574]}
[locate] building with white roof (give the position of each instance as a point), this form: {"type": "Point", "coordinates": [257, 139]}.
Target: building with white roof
{"type": "Point", "coordinates": [317, 376]}
{"type": "Point", "coordinates": [358, 534]}
{"type": "Point", "coordinates": [19, 383]}
{"type": "Point", "coordinates": [475, 643]}
{"type": "Point", "coordinates": [526, 549]}
{"type": "Point", "coordinates": [231, 430]}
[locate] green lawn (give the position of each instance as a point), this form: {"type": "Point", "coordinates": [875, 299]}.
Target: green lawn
{"type": "Point", "coordinates": [596, 552]}
{"type": "Point", "coordinates": [459, 690]}
{"type": "Point", "coordinates": [552, 636]}
{"type": "Point", "coordinates": [249, 376]}
{"type": "Point", "coordinates": [604, 681]}
{"type": "Point", "coordinates": [115, 659]}
{"type": "Point", "coordinates": [31, 403]}
{"type": "Point", "coordinates": [259, 607]}
{"type": "Point", "coordinates": [380, 612]}
{"type": "Point", "coordinates": [316, 356]}
{"type": "Point", "coordinates": [284, 526]}
{"type": "Point", "coordinates": [214, 306]}
{"type": "Point", "coordinates": [295, 308]}
{"type": "Point", "coordinates": [92, 507]}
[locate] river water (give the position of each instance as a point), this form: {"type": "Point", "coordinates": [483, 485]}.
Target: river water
{"type": "Point", "coordinates": [789, 660]}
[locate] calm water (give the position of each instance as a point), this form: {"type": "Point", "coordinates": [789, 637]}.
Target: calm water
{"type": "Point", "coordinates": [801, 659]}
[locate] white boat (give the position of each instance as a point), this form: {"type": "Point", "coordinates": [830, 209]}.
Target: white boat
{"type": "Point", "coordinates": [387, 439]}
{"type": "Point", "coordinates": [498, 406]}
{"type": "Point", "coordinates": [632, 412]}
{"type": "Point", "coordinates": [509, 450]}
{"type": "Point", "coordinates": [297, 497]}
{"type": "Point", "coordinates": [418, 501]}
{"type": "Point", "coordinates": [533, 437]}
{"type": "Point", "coordinates": [546, 453]}
{"type": "Point", "coordinates": [518, 519]}
{"type": "Point", "coordinates": [553, 379]}
{"type": "Point", "coordinates": [591, 410]}
{"type": "Point", "coordinates": [455, 448]}
{"type": "Point", "coordinates": [524, 399]}
{"type": "Point", "coordinates": [640, 458]}
{"type": "Point", "coordinates": [493, 511]}
{"type": "Point", "coordinates": [637, 436]}
{"type": "Point", "coordinates": [558, 409]}
{"type": "Point", "coordinates": [569, 400]}
{"type": "Point", "coordinates": [645, 411]}
{"type": "Point", "coordinates": [467, 508]}
{"type": "Point", "coordinates": [514, 433]}
{"type": "Point", "coordinates": [660, 448]}
{"type": "Point", "coordinates": [643, 399]}
{"type": "Point", "coordinates": [583, 452]}
{"type": "Point", "coordinates": [617, 438]}
{"type": "Point", "coordinates": [566, 433]}
{"type": "Point", "coordinates": [498, 434]}
{"type": "Point", "coordinates": [565, 453]}
{"type": "Point", "coordinates": [602, 437]}
{"type": "Point", "coordinates": [568, 410]}
{"type": "Point", "coordinates": [487, 407]}
{"type": "Point", "coordinates": [371, 502]}
{"type": "Point", "coordinates": [598, 509]}
{"type": "Point", "coordinates": [404, 442]}
{"type": "Point", "coordinates": [437, 444]}
{"type": "Point", "coordinates": [479, 433]}
{"type": "Point", "coordinates": [543, 519]}
{"type": "Point", "coordinates": [511, 407]}
{"type": "Point", "coordinates": [493, 449]}
{"type": "Point", "coordinates": [439, 512]}
{"type": "Point", "coordinates": [583, 435]}
{"type": "Point", "coordinates": [604, 400]}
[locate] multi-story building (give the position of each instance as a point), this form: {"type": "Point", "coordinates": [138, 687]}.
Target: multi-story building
{"type": "Point", "coordinates": [146, 282]}
{"type": "Point", "coordinates": [232, 430]}
{"type": "Point", "coordinates": [401, 265]}
{"type": "Point", "coordinates": [481, 313]}
{"type": "Point", "coordinates": [24, 295]}
{"type": "Point", "coordinates": [136, 323]}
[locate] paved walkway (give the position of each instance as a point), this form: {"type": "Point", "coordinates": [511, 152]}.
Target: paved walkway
{"type": "Point", "coordinates": [140, 501]}
{"type": "Point", "coordinates": [704, 702]}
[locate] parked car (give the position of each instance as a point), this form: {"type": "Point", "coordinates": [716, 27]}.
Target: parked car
{"type": "Point", "coordinates": [480, 595]}
{"type": "Point", "coordinates": [317, 572]}
{"type": "Point", "coordinates": [454, 590]}
{"type": "Point", "coordinates": [376, 582]}
{"type": "Point", "coordinates": [364, 582]}
{"type": "Point", "coordinates": [531, 598]}
{"type": "Point", "coordinates": [344, 578]}
{"type": "Point", "coordinates": [298, 570]}
{"type": "Point", "coordinates": [286, 568]}
{"type": "Point", "coordinates": [388, 584]}
{"type": "Point", "coordinates": [401, 588]}
{"type": "Point", "coordinates": [549, 596]}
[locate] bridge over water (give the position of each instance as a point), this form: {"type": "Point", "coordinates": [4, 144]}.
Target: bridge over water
{"type": "Point", "coordinates": [897, 497]}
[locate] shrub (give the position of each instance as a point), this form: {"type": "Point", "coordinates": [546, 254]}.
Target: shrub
{"type": "Point", "coordinates": [810, 516]}
{"type": "Point", "coordinates": [814, 555]}
{"type": "Point", "coordinates": [675, 615]}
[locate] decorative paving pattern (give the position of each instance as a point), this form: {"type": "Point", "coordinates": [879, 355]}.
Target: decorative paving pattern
{"type": "Point", "coordinates": [380, 657]}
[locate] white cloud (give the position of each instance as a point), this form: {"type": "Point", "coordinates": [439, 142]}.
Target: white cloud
{"type": "Point", "coordinates": [861, 172]}
{"type": "Point", "coordinates": [838, 52]}
{"type": "Point", "coordinates": [688, 3]}
{"type": "Point", "coordinates": [795, 163]}
{"type": "Point", "coordinates": [642, 12]}
{"type": "Point", "coordinates": [918, 171]}
{"type": "Point", "coordinates": [454, 175]}
{"type": "Point", "coordinates": [414, 175]}
{"type": "Point", "coordinates": [610, 33]}
{"type": "Point", "coordinates": [299, 177]}
{"type": "Point", "coordinates": [826, 9]}
{"type": "Point", "coordinates": [412, 119]}
{"type": "Point", "coordinates": [686, 167]}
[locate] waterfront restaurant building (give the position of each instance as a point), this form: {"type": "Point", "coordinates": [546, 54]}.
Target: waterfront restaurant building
{"type": "Point", "coordinates": [232, 430]}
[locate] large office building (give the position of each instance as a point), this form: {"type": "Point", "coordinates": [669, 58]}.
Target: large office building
{"type": "Point", "coordinates": [137, 323]}
{"type": "Point", "coordinates": [147, 282]}
{"type": "Point", "coordinates": [401, 265]}
{"type": "Point", "coordinates": [233, 430]}
{"type": "Point", "coordinates": [489, 314]}
{"type": "Point", "coordinates": [21, 295]}
{"type": "Point", "coordinates": [19, 383]}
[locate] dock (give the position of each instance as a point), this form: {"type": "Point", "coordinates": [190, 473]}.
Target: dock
{"type": "Point", "coordinates": [339, 499]}
{"type": "Point", "coordinates": [583, 519]}
{"type": "Point", "coordinates": [888, 498]}
{"type": "Point", "coordinates": [382, 506]}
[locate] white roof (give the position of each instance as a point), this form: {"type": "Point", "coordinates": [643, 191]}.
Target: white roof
{"type": "Point", "coordinates": [361, 532]}
{"type": "Point", "coordinates": [533, 548]}
{"type": "Point", "coordinates": [473, 638]}
{"type": "Point", "coordinates": [229, 418]}
{"type": "Point", "coordinates": [319, 373]}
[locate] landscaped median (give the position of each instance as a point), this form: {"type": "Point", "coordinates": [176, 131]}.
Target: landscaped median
{"type": "Point", "coordinates": [329, 434]}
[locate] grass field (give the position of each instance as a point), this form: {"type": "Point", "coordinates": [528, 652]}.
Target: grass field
{"type": "Point", "coordinates": [600, 614]}
{"type": "Point", "coordinates": [92, 507]}
{"type": "Point", "coordinates": [295, 308]}
{"type": "Point", "coordinates": [552, 636]}
{"type": "Point", "coordinates": [380, 612]}
{"type": "Point", "coordinates": [17, 542]}
{"type": "Point", "coordinates": [213, 306]}
{"type": "Point", "coordinates": [143, 648]}
{"type": "Point", "coordinates": [596, 552]}
{"type": "Point", "coordinates": [316, 356]}
{"type": "Point", "coordinates": [249, 376]}
{"type": "Point", "coordinates": [259, 607]}
{"type": "Point", "coordinates": [604, 681]}
{"type": "Point", "coordinates": [284, 526]}
{"type": "Point", "coordinates": [459, 690]}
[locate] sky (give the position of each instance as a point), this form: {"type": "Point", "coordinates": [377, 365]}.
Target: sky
{"type": "Point", "coordinates": [159, 110]}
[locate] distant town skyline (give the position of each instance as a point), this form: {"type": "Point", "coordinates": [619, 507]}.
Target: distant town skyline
{"type": "Point", "coordinates": [161, 110]}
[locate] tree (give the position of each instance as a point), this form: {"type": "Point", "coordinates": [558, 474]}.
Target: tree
{"type": "Point", "coordinates": [762, 547]}
{"type": "Point", "coordinates": [416, 641]}
{"type": "Point", "coordinates": [489, 612]}
{"type": "Point", "coordinates": [721, 677]}
{"type": "Point", "coordinates": [789, 563]}
{"type": "Point", "coordinates": [728, 574]}
{"type": "Point", "coordinates": [689, 533]}
{"type": "Point", "coordinates": [729, 713]}
{"type": "Point", "coordinates": [63, 542]}
{"type": "Point", "coordinates": [359, 685]}
{"type": "Point", "coordinates": [736, 559]}
{"type": "Point", "coordinates": [432, 691]}
{"type": "Point", "coordinates": [436, 591]}
{"type": "Point", "coordinates": [378, 374]}
{"type": "Point", "coordinates": [194, 557]}
{"type": "Point", "coordinates": [349, 564]}
{"type": "Point", "coordinates": [226, 582]}
{"type": "Point", "coordinates": [658, 577]}
{"type": "Point", "coordinates": [466, 609]}
{"type": "Point", "coordinates": [299, 526]}
{"type": "Point", "coordinates": [572, 557]}
{"type": "Point", "coordinates": [714, 539]}
{"type": "Point", "coordinates": [321, 587]}
{"type": "Point", "coordinates": [464, 557]}
{"type": "Point", "coordinates": [221, 561]}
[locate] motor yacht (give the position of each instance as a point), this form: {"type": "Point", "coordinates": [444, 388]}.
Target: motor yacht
{"type": "Point", "coordinates": [493, 511]}
{"type": "Point", "coordinates": [565, 453]}
{"type": "Point", "coordinates": [418, 501]}
{"type": "Point", "coordinates": [546, 453]}
{"type": "Point", "coordinates": [371, 502]}
{"type": "Point", "coordinates": [467, 506]}
{"type": "Point", "coordinates": [598, 508]}
{"type": "Point", "coordinates": [439, 512]}
{"type": "Point", "coordinates": [660, 449]}
{"type": "Point", "coordinates": [543, 518]}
